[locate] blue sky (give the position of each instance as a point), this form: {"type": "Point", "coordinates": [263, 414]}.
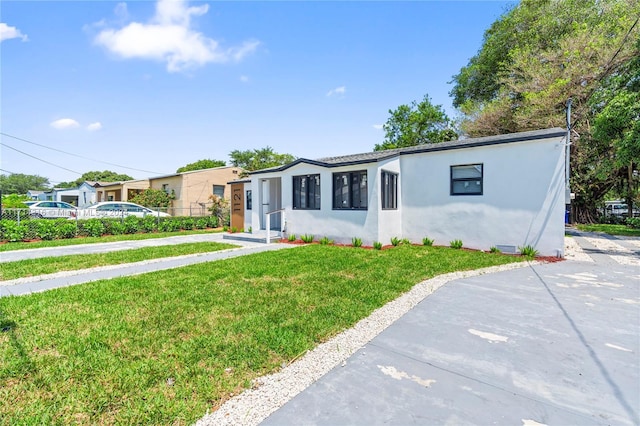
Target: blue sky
{"type": "Point", "coordinates": [152, 86]}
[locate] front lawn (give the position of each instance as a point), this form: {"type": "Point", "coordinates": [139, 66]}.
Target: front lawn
{"type": "Point", "coordinates": [165, 347]}
{"type": "Point", "coordinates": [610, 229]}
{"type": "Point", "coordinates": [49, 265]}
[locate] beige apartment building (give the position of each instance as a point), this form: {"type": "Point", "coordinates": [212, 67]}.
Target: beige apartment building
{"type": "Point", "coordinates": [193, 189]}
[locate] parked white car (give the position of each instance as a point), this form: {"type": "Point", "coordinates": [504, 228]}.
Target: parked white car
{"type": "Point", "coordinates": [51, 209]}
{"type": "Point", "coordinates": [118, 209]}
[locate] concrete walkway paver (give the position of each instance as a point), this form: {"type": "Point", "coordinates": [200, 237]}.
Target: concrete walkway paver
{"type": "Point", "coordinates": [12, 256]}
{"type": "Point", "coordinates": [551, 344]}
{"type": "Point", "coordinates": [23, 286]}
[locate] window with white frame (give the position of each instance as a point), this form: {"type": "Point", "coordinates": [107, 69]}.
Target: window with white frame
{"type": "Point", "coordinates": [249, 200]}
{"type": "Point", "coordinates": [218, 190]}
{"type": "Point", "coordinates": [466, 179]}
{"type": "Point", "coordinates": [389, 190]}
{"type": "Point", "coordinates": [350, 190]}
{"type": "Point", "coordinates": [306, 192]}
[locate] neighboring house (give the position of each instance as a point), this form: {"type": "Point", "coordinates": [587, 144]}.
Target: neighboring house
{"type": "Point", "coordinates": [87, 194]}
{"type": "Point", "coordinates": [119, 191]}
{"type": "Point", "coordinates": [36, 195]}
{"type": "Point", "coordinates": [68, 195]}
{"type": "Point", "coordinates": [505, 191]}
{"type": "Point", "coordinates": [193, 189]}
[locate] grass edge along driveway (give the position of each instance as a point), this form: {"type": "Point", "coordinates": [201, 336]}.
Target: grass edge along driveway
{"type": "Point", "coordinates": [165, 347]}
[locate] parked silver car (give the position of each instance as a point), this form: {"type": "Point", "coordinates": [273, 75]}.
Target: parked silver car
{"type": "Point", "coordinates": [117, 209]}
{"type": "Point", "coordinates": [51, 210]}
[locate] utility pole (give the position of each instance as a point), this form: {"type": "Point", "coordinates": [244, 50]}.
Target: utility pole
{"type": "Point", "coordinates": [567, 171]}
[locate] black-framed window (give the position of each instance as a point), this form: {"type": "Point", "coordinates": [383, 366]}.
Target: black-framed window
{"type": "Point", "coordinates": [389, 190]}
{"type": "Point", "coordinates": [249, 200]}
{"type": "Point", "coordinates": [466, 179]}
{"type": "Point", "coordinates": [350, 190]}
{"type": "Point", "coordinates": [306, 192]}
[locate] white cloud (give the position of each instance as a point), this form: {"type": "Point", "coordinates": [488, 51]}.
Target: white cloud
{"type": "Point", "coordinates": [94, 126]}
{"type": "Point", "coordinates": [7, 32]}
{"type": "Point", "coordinates": [65, 123]}
{"type": "Point", "coordinates": [244, 79]}
{"type": "Point", "coordinates": [378, 126]}
{"type": "Point", "coordinates": [337, 91]}
{"type": "Point", "coordinates": [168, 37]}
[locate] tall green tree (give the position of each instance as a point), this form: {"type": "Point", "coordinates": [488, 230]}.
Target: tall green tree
{"type": "Point", "coordinates": [154, 198]}
{"type": "Point", "coordinates": [257, 159]}
{"type": "Point", "coordinates": [98, 176]}
{"type": "Point", "coordinates": [201, 164]}
{"type": "Point", "coordinates": [537, 56]}
{"type": "Point", "coordinates": [617, 121]}
{"type": "Point", "coordinates": [18, 183]}
{"type": "Point", "coordinates": [415, 124]}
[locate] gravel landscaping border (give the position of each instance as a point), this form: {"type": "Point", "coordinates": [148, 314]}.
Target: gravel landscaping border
{"type": "Point", "coordinates": [270, 392]}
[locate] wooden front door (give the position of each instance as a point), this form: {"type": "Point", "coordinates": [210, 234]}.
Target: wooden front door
{"type": "Point", "coordinates": [237, 206]}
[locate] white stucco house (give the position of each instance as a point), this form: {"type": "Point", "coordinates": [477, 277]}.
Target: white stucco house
{"type": "Point", "coordinates": [506, 191]}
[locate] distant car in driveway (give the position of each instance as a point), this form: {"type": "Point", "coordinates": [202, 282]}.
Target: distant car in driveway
{"type": "Point", "coordinates": [51, 209]}
{"type": "Point", "coordinates": [118, 209]}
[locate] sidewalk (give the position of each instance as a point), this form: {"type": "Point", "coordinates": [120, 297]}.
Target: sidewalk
{"type": "Point", "coordinates": [12, 256]}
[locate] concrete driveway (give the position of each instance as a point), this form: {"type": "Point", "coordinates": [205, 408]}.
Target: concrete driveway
{"type": "Point", "coordinates": [552, 344]}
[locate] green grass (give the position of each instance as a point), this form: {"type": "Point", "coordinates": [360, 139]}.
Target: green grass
{"type": "Point", "coordinates": [49, 265]}
{"type": "Point", "coordinates": [104, 239]}
{"type": "Point", "coordinates": [165, 347]}
{"type": "Point", "coordinates": [610, 229]}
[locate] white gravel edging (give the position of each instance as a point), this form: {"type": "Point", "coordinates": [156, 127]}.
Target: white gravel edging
{"type": "Point", "coordinates": [272, 391]}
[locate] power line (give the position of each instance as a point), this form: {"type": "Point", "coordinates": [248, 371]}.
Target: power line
{"type": "Point", "coordinates": [39, 159]}
{"type": "Point", "coordinates": [77, 155]}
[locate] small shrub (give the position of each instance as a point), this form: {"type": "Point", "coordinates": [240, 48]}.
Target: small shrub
{"type": "Point", "coordinates": [13, 232]}
{"type": "Point", "coordinates": [633, 222]}
{"type": "Point", "coordinates": [307, 238]}
{"type": "Point", "coordinates": [426, 241]}
{"type": "Point", "coordinates": [169, 224]}
{"type": "Point", "coordinates": [93, 228]}
{"type": "Point", "coordinates": [187, 223]}
{"type": "Point", "coordinates": [356, 242]}
{"type": "Point", "coordinates": [201, 223]}
{"type": "Point", "coordinates": [131, 224]}
{"type": "Point", "coordinates": [46, 229]}
{"type": "Point", "coordinates": [213, 222]}
{"type": "Point", "coordinates": [377, 245]}
{"type": "Point", "coordinates": [116, 227]}
{"type": "Point", "coordinates": [528, 251]}
{"type": "Point", "coordinates": [66, 228]}
{"type": "Point", "coordinates": [250, 230]}
{"type": "Point", "coordinates": [233, 230]}
{"type": "Point", "coordinates": [405, 241]}
{"type": "Point", "coordinates": [395, 241]}
{"type": "Point", "coordinates": [495, 249]}
{"type": "Point", "coordinates": [148, 224]}
{"type": "Point", "coordinates": [456, 244]}
{"type": "Point", "coordinates": [326, 241]}
{"type": "Point", "coordinates": [292, 237]}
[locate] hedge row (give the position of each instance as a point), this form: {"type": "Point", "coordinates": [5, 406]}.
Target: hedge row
{"type": "Point", "coordinates": [46, 229]}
